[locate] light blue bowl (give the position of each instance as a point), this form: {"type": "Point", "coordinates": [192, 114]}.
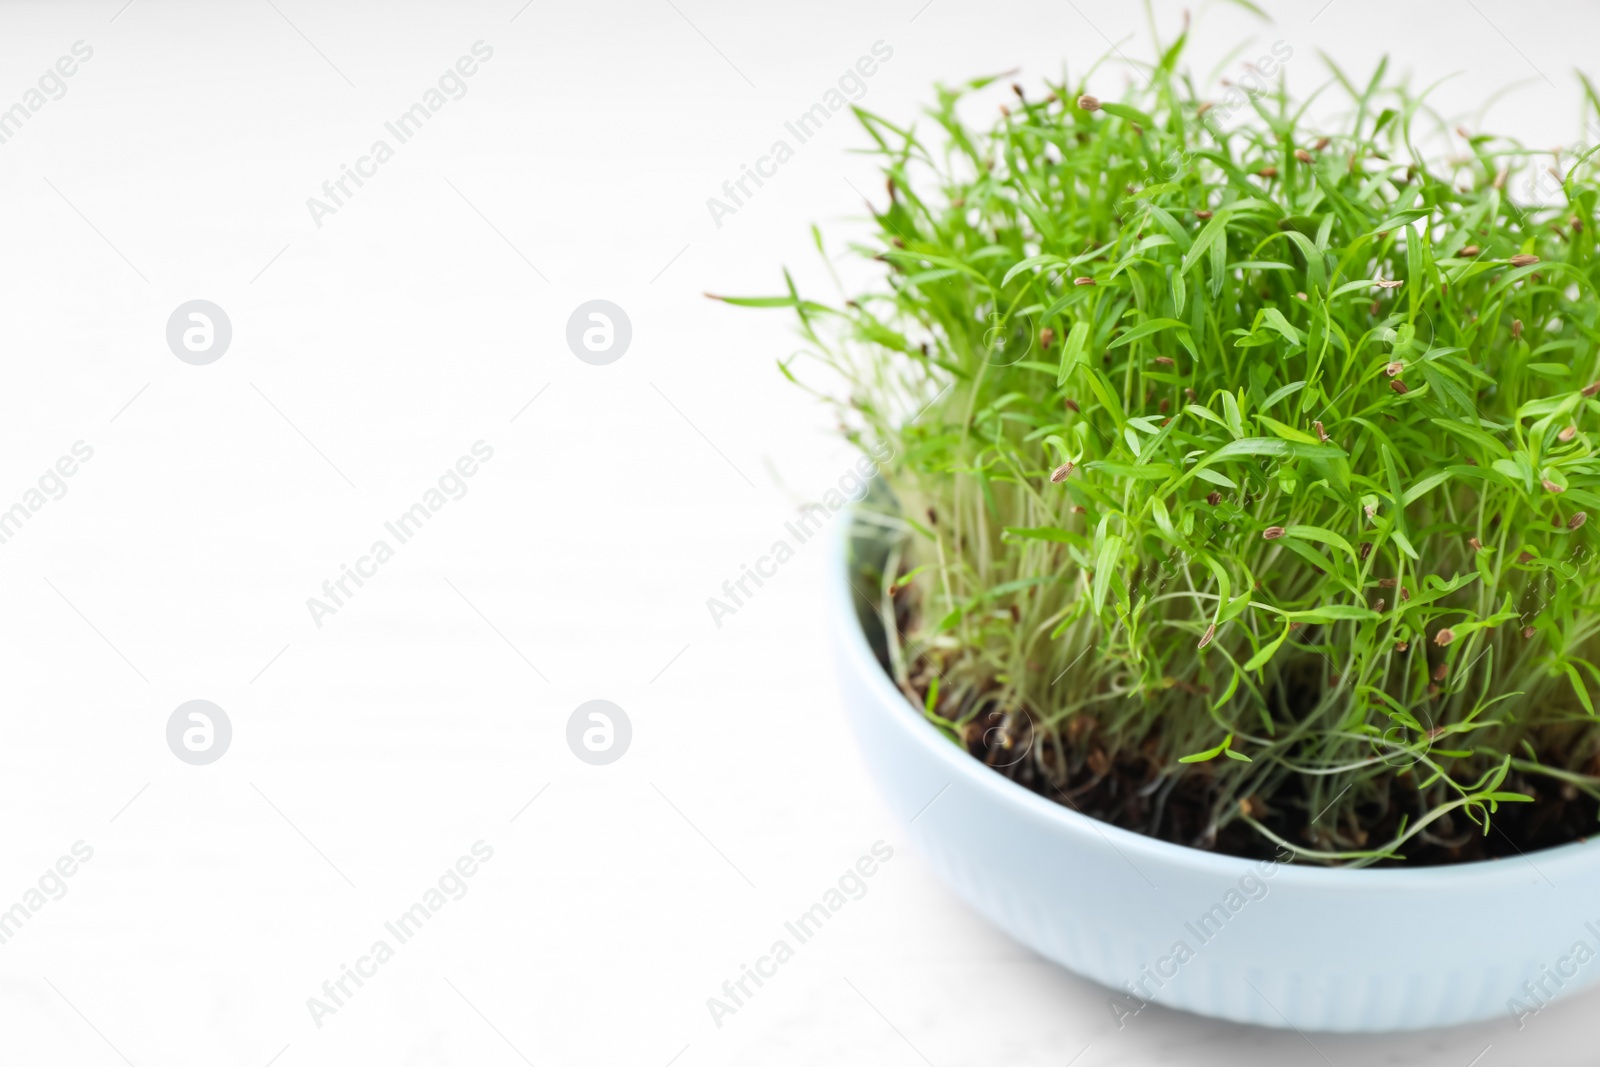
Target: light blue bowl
{"type": "Point", "coordinates": [1270, 944]}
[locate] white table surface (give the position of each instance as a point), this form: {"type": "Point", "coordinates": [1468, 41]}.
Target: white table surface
{"type": "Point", "coordinates": [368, 354]}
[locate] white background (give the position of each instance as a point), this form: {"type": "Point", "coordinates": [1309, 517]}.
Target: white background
{"type": "Point", "coordinates": [370, 753]}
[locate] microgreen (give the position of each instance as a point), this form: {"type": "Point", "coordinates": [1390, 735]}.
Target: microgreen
{"type": "Point", "coordinates": [1262, 442]}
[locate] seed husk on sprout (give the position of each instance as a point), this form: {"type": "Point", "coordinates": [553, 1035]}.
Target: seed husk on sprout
{"type": "Point", "coordinates": [1078, 191]}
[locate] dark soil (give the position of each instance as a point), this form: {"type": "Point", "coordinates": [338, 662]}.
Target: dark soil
{"type": "Point", "coordinates": [1127, 793]}
{"type": "Point", "coordinates": [1138, 793]}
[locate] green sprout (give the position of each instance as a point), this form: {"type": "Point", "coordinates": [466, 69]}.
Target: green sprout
{"type": "Point", "coordinates": [1256, 441]}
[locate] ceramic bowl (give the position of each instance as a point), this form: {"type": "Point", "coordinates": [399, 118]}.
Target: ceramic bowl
{"type": "Point", "coordinates": [1273, 944]}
